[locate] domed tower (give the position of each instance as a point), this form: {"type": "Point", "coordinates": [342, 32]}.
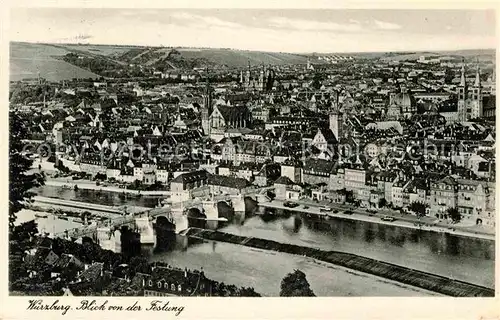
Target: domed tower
{"type": "Point", "coordinates": [270, 77]}
{"type": "Point", "coordinates": [401, 105]}
{"type": "Point", "coordinates": [408, 104]}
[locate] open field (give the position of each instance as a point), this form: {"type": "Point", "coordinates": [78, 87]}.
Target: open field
{"type": "Point", "coordinates": [103, 50]}
{"type": "Point", "coordinates": [240, 58]}
{"type": "Point", "coordinates": [29, 59]}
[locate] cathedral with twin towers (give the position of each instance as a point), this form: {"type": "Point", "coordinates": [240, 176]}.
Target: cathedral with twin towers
{"type": "Point", "coordinates": [261, 79]}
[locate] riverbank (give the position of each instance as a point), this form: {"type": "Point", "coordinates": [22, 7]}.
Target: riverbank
{"type": "Point", "coordinates": [357, 214]}
{"type": "Point", "coordinates": [420, 279]}
{"type": "Point", "coordinates": [90, 185]}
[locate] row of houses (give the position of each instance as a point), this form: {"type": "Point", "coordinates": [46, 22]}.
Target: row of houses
{"type": "Point", "coordinates": [474, 199]}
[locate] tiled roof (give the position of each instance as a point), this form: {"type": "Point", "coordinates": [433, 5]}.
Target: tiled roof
{"type": "Point", "coordinates": [233, 113]}
{"type": "Point", "coordinates": [225, 181]}
{"type": "Point", "coordinates": [319, 165]}
{"type": "Point", "coordinates": [448, 180]}
{"type": "Point", "coordinates": [328, 135]}
{"type": "Point", "coordinates": [284, 180]}
{"type": "Point", "coordinates": [93, 272]}
{"type": "Point", "coordinates": [191, 176]}
{"type": "Point", "coordinates": [66, 260]}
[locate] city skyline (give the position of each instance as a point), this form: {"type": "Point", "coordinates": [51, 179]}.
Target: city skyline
{"type": "Point", "coordinates": [294, 31]}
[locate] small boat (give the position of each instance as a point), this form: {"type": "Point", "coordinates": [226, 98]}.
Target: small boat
{"type": "Point", "coordinates": [41, 215]}
{"type": "Point", "coordinates": [63, 218]}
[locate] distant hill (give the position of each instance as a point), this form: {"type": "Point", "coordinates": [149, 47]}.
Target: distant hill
{"type": "Point", "coordinates": [28, 60]}
{"type": "Point", "coordinates": [480, 53]}
{"type": "Point", "coordinates": [201, 58]}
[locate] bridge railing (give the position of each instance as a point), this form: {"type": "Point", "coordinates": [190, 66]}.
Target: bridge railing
{"type": "Point", "coordinates": [118, 221]}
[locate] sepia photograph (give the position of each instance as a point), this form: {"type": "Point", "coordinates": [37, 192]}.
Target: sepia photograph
{"type": "Point", "coordinates": [179, 152]}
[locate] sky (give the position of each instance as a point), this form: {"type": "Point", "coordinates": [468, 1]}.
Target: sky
{"type": "Point", "coordinates": [289, 30]}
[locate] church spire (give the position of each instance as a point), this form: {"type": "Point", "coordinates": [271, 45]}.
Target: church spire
{"type": "Point", "coordinates": [477, 82]}
{"type": "Point", "coordinates": [462, 77]}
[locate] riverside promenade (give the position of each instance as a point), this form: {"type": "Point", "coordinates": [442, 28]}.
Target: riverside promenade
{"type": "Point", "coordinates": [408, 276]}
{"type": "Point", "coordinates": [91, 185]}
{"type": "Point", "coordinates": [404, 221]}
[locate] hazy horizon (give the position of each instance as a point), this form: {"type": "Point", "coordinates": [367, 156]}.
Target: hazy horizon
{"type": "Point", "coordinates": [271, 30]}
{"type": "Point", "coordinates": [256, 50]}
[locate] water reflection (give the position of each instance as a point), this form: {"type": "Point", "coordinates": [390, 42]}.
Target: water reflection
{"type": "Point", "coordinates": [466, 259]}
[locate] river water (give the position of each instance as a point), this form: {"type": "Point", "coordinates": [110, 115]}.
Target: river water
{"type": "Point", "coordinates": [461, 258]}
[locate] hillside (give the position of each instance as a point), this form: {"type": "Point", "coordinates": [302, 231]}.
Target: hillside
{"type": "Point", "coordinates": [28, 60]}
{"type": "Point", "coordinates": [51, 61]}
{"type": "Point", "coordinates": [200, 58]}
{"type": "Point", "coordinates": [486, 54]}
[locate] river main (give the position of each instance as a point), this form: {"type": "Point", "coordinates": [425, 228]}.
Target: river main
{"type": "Point", "coordinates": [467, 259]}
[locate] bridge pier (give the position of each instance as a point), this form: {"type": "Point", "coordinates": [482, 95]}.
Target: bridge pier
{"type": "Point", "coordinates": [108, 239]}
{"type": "Point", "coordinates": [180, 219]}
{"type": "Point", "coordinates": [238, 202]}
{"type": "Point", "coordinates": [211, 211]}
{"type": "Point", "coordinates": [145, 230]}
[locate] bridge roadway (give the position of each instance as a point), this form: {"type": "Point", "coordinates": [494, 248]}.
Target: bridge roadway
{"type": "Point", "coordinates": [116, 214]}
{"type": "Point", "coordinates": [109, 210]}
{"type": "Point", "coordinates": [115, 222]}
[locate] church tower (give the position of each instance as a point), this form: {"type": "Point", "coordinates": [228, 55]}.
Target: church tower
{"type": "Point", "coordinates": [206, 111]}
{"type": "Point", "coordinates": [461, 93]}
{"type": "Point", "coordinates": [262, 79]}
{"type": "Point", "coordinates": [248, 78]}
{"type": "Point", "coordinates": [336, 118]}
{"type": "Point", "coordinates": [476, 98]}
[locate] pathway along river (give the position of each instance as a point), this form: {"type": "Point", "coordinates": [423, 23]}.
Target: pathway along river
{"type": "Point", "coordinates": [468, 259]}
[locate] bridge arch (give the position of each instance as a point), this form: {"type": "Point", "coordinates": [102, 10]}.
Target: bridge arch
{"type": "Point", "coordinates": [196, 218]}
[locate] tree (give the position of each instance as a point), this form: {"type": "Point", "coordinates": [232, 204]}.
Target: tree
{"type": "Point", "coordinates": [20, 182]}
{"type": "Point", "coordinates": [419, 208]}
{"type": "Point", "coordinates": [295, 284]}
{"type": "Point", "coordinates": [454, 215]}
{"type": "Point", "coordinates": [136, 185]}
{"type": "Point", "coordinates": [271, 194]}
{"type": "Point", "coordinates": [316, 83]}
{"type": "Point", "coordinates": [382, 203]}
{"type": "Point", "coordinates": [100, 176]}
{"type": "Point", "coordinates": [349, 195]}
{"type": "Point", "coordinates": [61, 167]}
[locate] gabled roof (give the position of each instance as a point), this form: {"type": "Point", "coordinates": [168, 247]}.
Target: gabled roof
{"type": "Point", "coordinates": [66, 260]}
{"type": "Point", "coordinates": [319, 165]}
{"type": "Point", "coordinates": [93, 272]}
{"type": "Point", "coordinates": [191, 176]}
{"type": "Point", "coordinates": [284, 180]}
{"type": "Point", "coordinates": [328, 135]}
{"type": "Point", "coordinates": [447, 180]}
{"type": "Point", "coordinates": [225, 181]}
{"type": "Point", "coordinates": [233, 113]}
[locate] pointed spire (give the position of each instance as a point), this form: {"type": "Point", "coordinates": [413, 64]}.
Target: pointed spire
{"type": "Point", "coordinates": [477, 82]}
{"type": "Point", "coordinates": [462, 77]}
